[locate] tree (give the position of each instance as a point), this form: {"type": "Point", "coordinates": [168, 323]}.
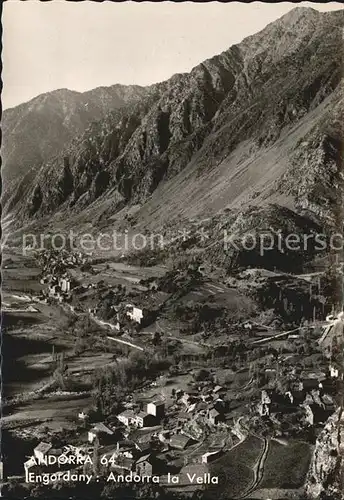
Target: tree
{"type": "Point", "coordinates": [96, 457]}
{"type": "Point", "coordinates": [80, 346]}
{"type": "Point", "coordinates": [201, 375]}
{"type": "Point", "coordinates": [59, 374]}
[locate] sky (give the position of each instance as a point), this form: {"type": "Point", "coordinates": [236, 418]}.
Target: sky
{"type": "Point", "coordinates": [80, 46]}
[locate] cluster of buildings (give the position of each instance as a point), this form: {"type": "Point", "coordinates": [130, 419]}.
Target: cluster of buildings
{"type": "Point", "coordinates": [311, 395]}
{"type": "Point", "coordinates": [57, 261]}
{"type": "Point", "coordinates": [142, 311]}
{"type": "Point", "coordinates": [59, 287]}
{"type": "Point", "coordinates": [205, 404]}
{"type": "Point", "coordinates": [155, 412]}
{"type": "Point", "coordinates": [126, 447]}
{"type": "Point", "coordinates": [47, 458]}
{"type": "Point", "coordinates": [146, 433]}
{"type": "Point", "coordinates": [58, 284]}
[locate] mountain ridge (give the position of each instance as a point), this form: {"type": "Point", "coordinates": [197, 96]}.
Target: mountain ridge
{"type": "Point", "coordinates": [247, 98]}
{"type": "Point", "coordinates": [39, 128]}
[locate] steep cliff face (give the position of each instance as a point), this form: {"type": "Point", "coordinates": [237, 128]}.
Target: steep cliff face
{"type": "Point", "coordinates": [135, 148]}
{"type": "Point", "coordinates": [314, 178]}
{"type": "Point", "coordinates": [259, 123]}
{"type": "Point", "coordinates": [36, 130]}
{"type": "Point", "coordinates": [326, 474]}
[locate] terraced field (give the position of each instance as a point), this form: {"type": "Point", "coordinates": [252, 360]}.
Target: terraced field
{"type": "Point", "coordinates": [235, 470]}
{"type": "Point", "coordinates": [286, 466]}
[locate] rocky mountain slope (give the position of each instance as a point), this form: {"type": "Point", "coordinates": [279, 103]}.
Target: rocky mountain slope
{"type": "Point", "coordinates": [35, 131]}
{"type": "Point", "coordinates": [260, 123]}
{"type": "Point", "coordinates": [325, 477]}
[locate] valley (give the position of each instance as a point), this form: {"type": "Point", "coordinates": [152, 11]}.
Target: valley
{"type": "Point", "coordinates": [172, 279]}
{"type": "Point", "coordinates": [47, 328]}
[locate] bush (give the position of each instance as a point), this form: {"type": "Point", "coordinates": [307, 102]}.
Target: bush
{"type": "Point", "coordinates": [202, 375]}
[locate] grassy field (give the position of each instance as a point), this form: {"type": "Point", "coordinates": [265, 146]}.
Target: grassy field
{"type": "Point", "coordinates": [55, 412]}
{"type": "Point", "coordinates": [234, 470]}
{"type": "Point", "coordinates": [185, 485]}
{"type": "Point", "coordinates": [115, 274]}
{"type": "Point", "coordinates": [29, 341]}
{"type": "Point", "coordinates": [20, 274]}
{"type": "Point", "coordinates": [286, 466]}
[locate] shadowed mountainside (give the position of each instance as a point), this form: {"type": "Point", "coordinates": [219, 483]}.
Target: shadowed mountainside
{"type": "Point", "coordinates": [35, 131]}
{"type": "Point", "coordinates": [258, 124]}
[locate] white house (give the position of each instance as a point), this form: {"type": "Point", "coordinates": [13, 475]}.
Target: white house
{"type": "Point", "coordinates": [127, 417]}
{"type": "Point", "coordinates": [144, 419]}
{"type": "Point", "coordinates": [264, 406]}
{"type": "Point", "coordinates": [333, 372]}
{"type": "Point", "coordinates": [164, 435]}
{"type": "Point", "coordinates": [84, 414]}
{"type": "Point", "coordinates": [41, 451]}
{"type": "Point", "coordinates": [140, 419]}
{"type": "Point", "coordinates": [65, 284]}
{"type": "Point", "coordinates": [98, 430]}
{"type": "Point", "coordinates": [29, 464]}
{"type": "Point", "coordinates": [156, 408]}
{"type": "Point", "coordinates": [134, 313]}
{"type": "Point", "coordinates": [210, 456]}
{"type": "Point", "coordinates": [248, 325]}
{"type": "Point", "coordinates": [92, 434]}
{"type": "Point", "coordinates": [54, 289]}
{"type": "Point", "coordinates": [290, 396]}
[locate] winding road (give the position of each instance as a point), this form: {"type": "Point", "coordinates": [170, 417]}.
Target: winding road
{"type": "Point", "coordinates": [278, 335]}
{"type": "Point", "coordinates": [105, 324]}
{"type": "Point", "coordinates": [125, 342]}
{"type": "Point", "coordinates": [258, 469]}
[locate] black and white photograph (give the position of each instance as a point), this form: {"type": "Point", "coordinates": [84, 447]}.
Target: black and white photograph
{"type": "Point", "coordinates": [172, 318]}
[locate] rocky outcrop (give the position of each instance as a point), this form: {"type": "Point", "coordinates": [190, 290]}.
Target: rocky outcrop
{"type": "Point", "coordinates": [35, 131]}
{"type": "Point", "coordinates": [136, 148]}
{"type": "Point", "coordinates": [326, 474]}
{"type": "Point", "coordinates": [315, 177]}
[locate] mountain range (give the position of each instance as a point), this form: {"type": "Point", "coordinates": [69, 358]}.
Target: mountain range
{"type": "Point", "coordinates": [248, 142]}
{"type": "Point", "coordinates": [257, 125]}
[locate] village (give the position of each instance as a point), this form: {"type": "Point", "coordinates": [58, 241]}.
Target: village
{"type": "Point", "coordinates": [170, 435]}
{"type": "Point", "coordinates": [189, 417]}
